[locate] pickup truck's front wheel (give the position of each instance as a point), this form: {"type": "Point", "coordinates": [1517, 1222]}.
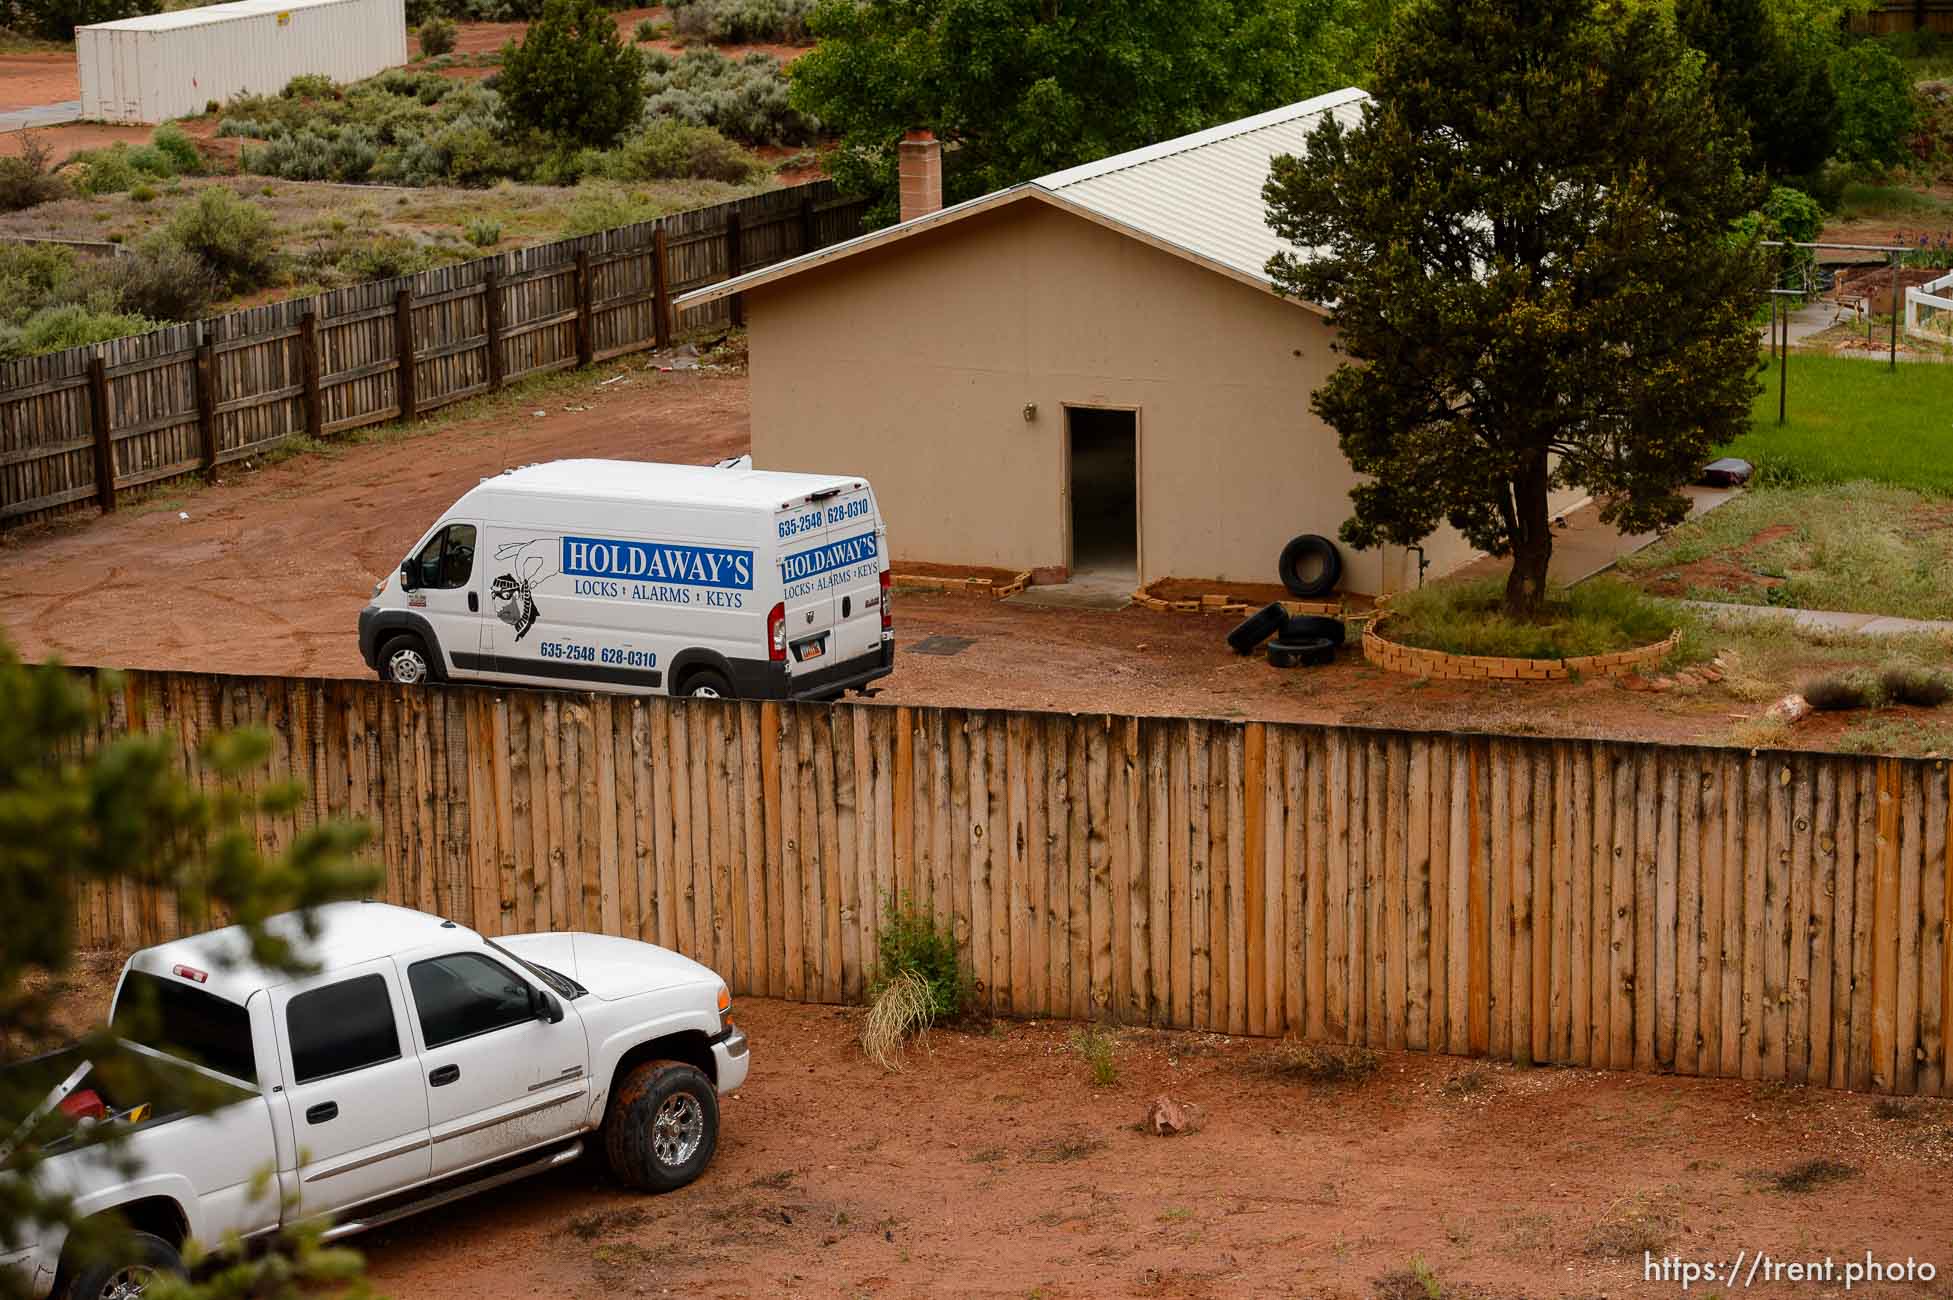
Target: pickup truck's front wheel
{"type": "Point", "coordinates": [663, 1126]}
{"type": "Point", "coordinates": [127, 1271]}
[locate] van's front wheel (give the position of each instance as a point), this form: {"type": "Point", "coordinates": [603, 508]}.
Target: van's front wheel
{"type": "Point", "coordinates": [404, 659]}
{"type": "Point", "coordinates": [706, 684]}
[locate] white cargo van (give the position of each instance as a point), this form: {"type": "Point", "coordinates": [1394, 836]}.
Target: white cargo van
{"type": "Point", "coordinates": [652, 579]}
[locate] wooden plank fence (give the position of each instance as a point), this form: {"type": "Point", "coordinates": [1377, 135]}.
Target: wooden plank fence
{"type": "Point", "coordinates": [79, 426]}
{"type": "Point", "coordinates": [1708, 911]}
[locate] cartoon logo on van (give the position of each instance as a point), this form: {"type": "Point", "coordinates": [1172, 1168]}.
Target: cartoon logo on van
{"type": "Point", "coordinates": [516, 590]}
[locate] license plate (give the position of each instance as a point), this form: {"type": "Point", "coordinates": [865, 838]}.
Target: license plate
{"type": "Point", "coordinates": [811, 650]}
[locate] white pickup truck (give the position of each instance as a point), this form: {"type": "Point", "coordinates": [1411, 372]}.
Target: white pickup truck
{"type": "Point", "coordinates": [421, 1063]}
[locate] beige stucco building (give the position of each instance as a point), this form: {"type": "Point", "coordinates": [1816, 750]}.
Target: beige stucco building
{"type": "Point", "coordinates": [1090, 372]}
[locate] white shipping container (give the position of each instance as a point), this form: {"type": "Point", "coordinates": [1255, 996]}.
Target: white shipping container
{"type": "Point", "coordinates": [160, 66]}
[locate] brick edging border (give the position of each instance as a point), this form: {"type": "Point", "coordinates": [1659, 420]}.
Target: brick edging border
{"type": "Point", "coordinates": [960, 586]}
{"type": "Point", "coordinates": [1419, 662]}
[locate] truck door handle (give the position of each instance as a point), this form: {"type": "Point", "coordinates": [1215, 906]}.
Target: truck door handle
{"type": "Point", "coordinates": [443, 1076]}
{"type": "Point", "coordinates": [474, 603]}
{"type": "Point", "coordinates": [319, 1114]}
{"type": "Point", "coordinates": [846, 603]}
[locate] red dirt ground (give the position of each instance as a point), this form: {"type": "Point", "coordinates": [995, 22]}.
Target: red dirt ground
{"type": "Point", "coordinates": [42, 77]}
{"type": "Point", "coordinates": [268, 573]}
{"type": "Point", "coordinates": [992, 1167]}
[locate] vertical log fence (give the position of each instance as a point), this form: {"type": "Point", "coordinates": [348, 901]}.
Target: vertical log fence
{"type": "Point", "coordinates": [1763, 915]}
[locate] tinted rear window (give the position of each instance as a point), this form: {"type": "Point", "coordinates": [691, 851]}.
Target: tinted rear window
{"type": "Point", "coordinates": [342, 1027]}
{"type": "Point", "coordinates": [185, 1021]}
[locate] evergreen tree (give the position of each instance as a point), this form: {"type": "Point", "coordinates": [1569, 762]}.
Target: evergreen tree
{"type": "Point", "coordinates": [78, 811]}
{"type": "Point", "coordinates": [1526, 246]}
{"type": "Point", "coordinates": [1775, 87]}
{"type": "Point", "coordinates": [573, 77]}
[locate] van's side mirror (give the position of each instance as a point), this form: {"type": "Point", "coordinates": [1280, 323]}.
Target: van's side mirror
{"type": "Point", "coordinates": [409, 580]}
{"type": "Point", "coordinates": [544, 1006]}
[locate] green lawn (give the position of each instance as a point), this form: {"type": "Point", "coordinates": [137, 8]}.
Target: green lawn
{"type": "Point", "coordinates": [1853, 419]}
{"type": "Point", "coordinates": [1859, 547]}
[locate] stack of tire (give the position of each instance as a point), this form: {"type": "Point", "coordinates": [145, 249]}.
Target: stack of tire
{"type": "Point", "coordinates": [1300, 640]}
{"type": "Point", "coordinates": [1310, 568]}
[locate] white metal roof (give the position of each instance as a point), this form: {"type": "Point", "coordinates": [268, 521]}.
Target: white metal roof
{"type": "Point", "coordinates": [206, 15]}
{"type": "Point", "coordinates": [648, 482]}
{"type": "Point", "coordinates": [1198, 196]}
{"type": "Point", "coordinates": [348, 934]}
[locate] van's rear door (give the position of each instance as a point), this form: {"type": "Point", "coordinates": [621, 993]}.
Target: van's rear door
{"type": "Point", "coordinates": [801, 525]}
{"type": "Point", "coordinates": [859, 541]}
{"type": "Point", "coordinates": [830, 550]}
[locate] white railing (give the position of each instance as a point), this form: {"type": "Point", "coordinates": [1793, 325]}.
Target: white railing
{"type": "Point", "coordinates": [1928, 311]}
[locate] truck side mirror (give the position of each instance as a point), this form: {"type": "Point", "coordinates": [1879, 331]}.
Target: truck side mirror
{"type": "Point", "coordinates": [409, 580]}
{"type": "Point", "coordinates": [544, 1006]}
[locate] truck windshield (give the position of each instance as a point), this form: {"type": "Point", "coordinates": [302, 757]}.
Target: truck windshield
{"type": "Point", "coordinates": [560, 984]}
{"type": "Point", "coordinates": [187, 1022]}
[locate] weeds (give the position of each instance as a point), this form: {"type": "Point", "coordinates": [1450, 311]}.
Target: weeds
{"type": "Point", "coordinates": [28, 181]}
{"type": "Point", "coordinates": [1321, 1062]}
{"type": "Point", "coordinates": [1853, 689]}
{"type": "Point", "coordinates": [1467, 1083]}
{"type": "Point", "coordinates": [1904, 737]}
{"type": "Point", "coordinates": [1416, 1281]}
{"type": "Point", "coordinates": [1915, 684]}
{"type": "Point", "coordinates": [1063, 1150]}
{"type": "Point", "coordinates": [1096, 1048]}
{"type": "Point", "coordinates": [1895, 1108]}
{"type": "Point", "coordinates": [1634, 1225]}
{"type": "Point", "coordinates": [913, 942]}
{"type": "Point", "coordinates": [1809, 1175]}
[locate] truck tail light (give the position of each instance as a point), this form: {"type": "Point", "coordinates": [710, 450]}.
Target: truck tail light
{"type": "Point", "coordinates": [776, 633]}
{"type": "Point", "coordinates": [888, 618]}
{"type": "Point", "coordinates": [191, 973]}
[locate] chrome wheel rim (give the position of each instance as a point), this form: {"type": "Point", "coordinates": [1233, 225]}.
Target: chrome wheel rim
{"type": "Point", "coordinates": [129, 1283]}
{"type": "Point", "coordinates": [678, 1130]}
{"type": "Point", "coordinates": [704, 693]}
{"type": "Point", "coordinates": [407, 667]}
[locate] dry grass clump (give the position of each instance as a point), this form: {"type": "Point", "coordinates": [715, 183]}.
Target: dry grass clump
{"type": "Point", "coordinates": [1915, 684]}
{"type": "Point", "coordinates": [1320, 1062]}
{"type": "Point", "coordinates": [903, 1009]}
{"type": "Point", "coordinates": [1096, 1048]}
{"type": "Point", "coordinates": [1809, 1175]}
{"type": "Point", "coordinates": [1854, 689]}
{"type": "Point", "coordinates": [1637, 1223]}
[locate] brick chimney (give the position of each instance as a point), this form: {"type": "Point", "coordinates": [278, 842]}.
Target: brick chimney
{"type": "Point", "coordinates": [921, 159]}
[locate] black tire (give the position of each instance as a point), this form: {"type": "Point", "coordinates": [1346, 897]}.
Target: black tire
{"type": "Point", "coordinates": [401, 650]}
{"type": "Point", "coordinates": [644, 1155]}
{"type": "Point", "coordinates": [1300, 654]}
{"type": "Point", "coordinates": [137, 1255]}
{"type": "Point", "coordinates": [1311, 566]}
{"type": "Point", "coordinates": [1313, 627]}
{"type": "Point", "coordinates": [1256, 628]}
{"type": "Point", "coordinates": [707, 683]}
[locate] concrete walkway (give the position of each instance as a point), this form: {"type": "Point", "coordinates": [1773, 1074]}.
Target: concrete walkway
{"type": "Point", "coordinates": [21, 119]}
{"type": "Point", "coordinates": [1585, 546]}
{"type": "Point", "coordinates": [1088, 589]}
{"type": "Point", "coordinates": [1821, 620]}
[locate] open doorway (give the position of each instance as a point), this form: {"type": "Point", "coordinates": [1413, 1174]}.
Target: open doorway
{"type": "Point", "coordinates": [1104, 493]}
